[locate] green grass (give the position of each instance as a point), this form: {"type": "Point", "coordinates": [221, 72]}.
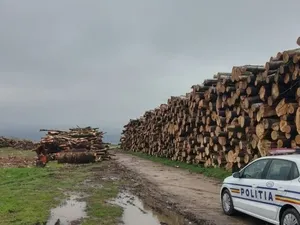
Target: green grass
{"type": "Point", "coordinates": [28, 194]}
{"type": "Point", "coordinates": [209, 172]}
{"type": "Point", "coordinates": [114, 146]}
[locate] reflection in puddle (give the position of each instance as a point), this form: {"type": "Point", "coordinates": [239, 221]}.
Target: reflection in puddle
{"type": "Point", "coordinates": [136, 213]}
{"type": "Point", "coordinates": [71, 210]}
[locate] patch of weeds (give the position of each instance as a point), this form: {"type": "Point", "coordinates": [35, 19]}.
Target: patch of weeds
{"type": "Point", "coordinates": [218, 173]}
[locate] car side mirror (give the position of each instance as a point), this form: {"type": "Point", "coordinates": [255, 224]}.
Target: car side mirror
{"type": "Point", "coordinates": [236, 175]}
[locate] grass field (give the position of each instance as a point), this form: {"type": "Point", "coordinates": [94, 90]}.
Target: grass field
{"type": "Point", "coordinates": [28, 194]}
{"type": "Point", "coordinates": [209, 172]}
{"type": "Point", "coordinates": [114, 146]}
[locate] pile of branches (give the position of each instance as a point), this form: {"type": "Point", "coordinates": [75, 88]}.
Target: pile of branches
{"type": "Point", "coordinates": [227, 121]}
{"type": "Point", "coordinates": [20, 144]}
{"type": "Point", "coordinates": [76, 145]}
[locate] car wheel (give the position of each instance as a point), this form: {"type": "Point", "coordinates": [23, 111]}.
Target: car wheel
{"type": "Point", "coordinates": [227, 203]}
{"type": "Point", "coordinates": [290, 217]}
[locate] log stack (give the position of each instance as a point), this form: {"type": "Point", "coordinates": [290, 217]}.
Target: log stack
{"type": "Point", "coordinates": [20, 144]}
{"type": "Point", "coordinates": [227, 121]}
{"type": "Point", "coordinates": [76, 145]}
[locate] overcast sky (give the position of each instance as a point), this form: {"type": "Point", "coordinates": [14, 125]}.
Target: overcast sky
{"type": "Point", "coordinates": [100, 62]}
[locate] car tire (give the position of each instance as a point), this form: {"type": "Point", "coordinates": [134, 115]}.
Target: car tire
{"type": "Point", "coordinates": [227, 203]}
{"type": "Point", "coordinates": [290, 214]}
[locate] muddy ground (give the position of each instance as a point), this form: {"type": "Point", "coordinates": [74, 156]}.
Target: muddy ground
{"type": "Point", "coordinates": [176, 192]}
{"type": "Point", "coordinates": [169, 195]}
{"type": "Point", "coordinates": [10, 158]}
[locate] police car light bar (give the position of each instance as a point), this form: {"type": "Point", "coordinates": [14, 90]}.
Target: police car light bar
{"type": "Point", "coordinates": [280, 151]}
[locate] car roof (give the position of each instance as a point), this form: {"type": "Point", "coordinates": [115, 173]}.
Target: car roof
{"type": "Point", "coordinates": [292, 157]}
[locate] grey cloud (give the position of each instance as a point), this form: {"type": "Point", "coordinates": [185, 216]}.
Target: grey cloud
{"type": "Point", "coordinates": [104, 62]}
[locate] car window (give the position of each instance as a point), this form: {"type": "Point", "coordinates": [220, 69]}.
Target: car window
{"type": "Point", "coordinates": [281, 170]}
{"type": "Point", "coordinates": [295, 172]}
{"type": "Point", "coordinates": [255, 170]}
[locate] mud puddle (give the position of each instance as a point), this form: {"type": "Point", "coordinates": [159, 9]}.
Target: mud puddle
{"type": "Point", "coordinates": [135, 212]}
{"type": "Point", "coordinates": [70, 212]}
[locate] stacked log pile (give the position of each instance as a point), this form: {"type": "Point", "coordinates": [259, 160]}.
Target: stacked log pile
{"type": "Point", "coordinates": [77, 145]}
{"type": "Point", "coordinates": [228, 120]}
{"type": "Point", "coordinates": [20, 144]}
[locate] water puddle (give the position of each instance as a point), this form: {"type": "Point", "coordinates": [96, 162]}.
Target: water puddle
{"type": "Point", "coordinates": [71, 211]}
{"type": "Point", "coordinates": [91, 183]}
{"type": "Point", "coordinates": [135, 212]}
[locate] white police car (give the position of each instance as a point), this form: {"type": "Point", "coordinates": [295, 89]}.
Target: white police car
{"type": "Point", "coordinates": [267, 188]}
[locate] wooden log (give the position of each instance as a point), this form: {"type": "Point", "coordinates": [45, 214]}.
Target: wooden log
{"type": "Point", "coordinates": [275, 135]}
{"type": "Point", "coordinates": [264, 92]}
{"type": "Point", "coordinates": [272, 65]}
{"type": "Point", "coordinates": [283, 143]}
{"type": "Point", "coordinates": [244, 121]}
{"type": "Point", "coordinates": [281, 108]}
{"type": "Point", "coordinates": [287, 117]}
{"type": "Point", "coordinates": [261, 132]}
{"type": "Point", "coordinates": [77, 158]}
{"type": "Point", "coordinates": [297, 120]}
{"type": "Point", "coordinates": [287, 55]}
{"type": "Point", "coordinates": [298, 93]}
{"type": "Point", "coordinates": [298, 41]}
{"type": "Point", "coordinates": [293, 144]}
{"type": "Point", "coordinates": [264, 146]}
{"type": "Point", "coordinates": [297, 139]}
{"type": "Point", "coordinates": [251, 100]}
{"type": "Point", "coordinates": [265, 111]}
{"type": "Point", "coordinates": [268, 122]}
{"type": "Point", "coordinates": [290, 130]}
{"type": "Point", "coordinates": [254, 141]}
{"type": "Point", "coordinates": [252, 91]}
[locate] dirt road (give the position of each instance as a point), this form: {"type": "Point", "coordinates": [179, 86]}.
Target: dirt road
{"type": "Point", "coordinates": [194, 195]}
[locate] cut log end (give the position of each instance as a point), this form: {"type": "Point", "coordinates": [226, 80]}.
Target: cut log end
{"type": "Point", "coordinates": [298, 41]}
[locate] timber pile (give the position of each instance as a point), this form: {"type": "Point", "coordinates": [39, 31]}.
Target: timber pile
{"type": "Point", "coordinates": [228, 120]}
{"type": "Point", "coordinates": [20, 144]}
{"type": "Point", "coordinates": [77, 145]}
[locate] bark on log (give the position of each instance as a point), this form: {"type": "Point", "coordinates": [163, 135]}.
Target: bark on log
{"type": "Point", "coordinates": [77, 158]}
{"type": "Point", "coordinates": [297, 120]}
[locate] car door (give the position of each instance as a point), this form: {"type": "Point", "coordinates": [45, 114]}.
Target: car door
{"type": "Point", "coordinates": [278, 178]}
{"type": "Point", "coordinates": [249, 178]}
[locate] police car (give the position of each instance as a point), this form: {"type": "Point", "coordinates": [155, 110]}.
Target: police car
{"type": "Point", "coordinates": [268, 188]}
